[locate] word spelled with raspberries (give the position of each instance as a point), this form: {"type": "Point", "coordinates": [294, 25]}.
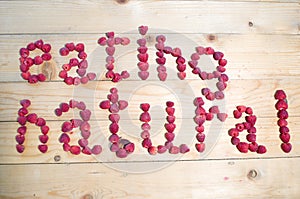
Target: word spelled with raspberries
{"type": "Point", "coordinates": [123, 147]}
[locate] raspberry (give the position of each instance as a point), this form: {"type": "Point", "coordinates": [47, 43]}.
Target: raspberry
{"type": "Point", "coordinates": [129, 147]}
{"type": "Point", "coordinates": [114, 128]}
{"type": "Point", "coordinates": [285, 137]}
{"type": "Point", "coordinates": [145, 107]}
{"type": "Point", "coordinates": [200, 147]}
{"type": "Point", "coordinates": [146, 143]}
{"type": "Point", "coordinates": [282, 114]}
{"type": "Point", "coordinates": [97, 149]}
{"type": "Point", "coordinates": [32, 118]}
{"type": "Point", "coordinates": [75, 150]}
{"type": "Point", "coordinates": [261, 149]}
{"type": "Point", "coordinates": [169, 136]}
{"type": "Point", "coordinates": [281, 104]}
{"type": "Point", "coordinates": [253, 147]}
{"type": "Point", "coordinates": [43, 148]}
{"type": "Point", "coordinates": [105, 104]}
{"type": "Point", "coordinates": [286, 147]}
{"type": "Point", "coordinates": [251, 137]}
{"type": "Point", "coordinates": [282, 122]}
{"type": "Point", "coordinates": [170, 127]}
{"type": "Point", "coordinates": [284, 129]}
{"type": "Point", "coordinates": [235, 141]}
{"type": "Point", "coordinates": [243, 147]}
{"type": "Point", "coordinates": [280, 95]}
{"type": "Point", "coordinates": [161, 149]}
{"type": "Point", "coordinates": [237, 114]}
{"type": "Point", "coordinates": [145, 117]}
{"type": "Point", "coordinates": [152, 150]}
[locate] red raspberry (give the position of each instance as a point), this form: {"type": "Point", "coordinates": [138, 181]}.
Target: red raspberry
{"type": "Point", "coordinates": [281, 104]}
{"type": "Point", "coordinates": [237, 114]}
{"type": "Point", "coordinates": [285, 137]}
{"type": "Point", "coordinates": [280, 95]}
{"type": "Point", "coordinates": [235, 140]}
{"type": "Point", "coordinates": [261, 149]}
{"type": "Point", "coordinates": [282, 114]}
{"type": "Point", "coordinates": [286, 147]}
{"type": "Point", "coordinates": [243, 147]}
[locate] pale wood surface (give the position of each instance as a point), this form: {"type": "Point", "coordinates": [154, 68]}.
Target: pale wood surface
{"type": "Point", "coordinates": [261, 58]}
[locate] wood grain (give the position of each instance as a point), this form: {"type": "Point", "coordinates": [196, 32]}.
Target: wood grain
{"type": "Point", "coordinates": [260, 40]}
{"type": "Point", "coordinates": [258, 64]}
{"type": "Point", "coordinates": [205, 179]}
{"type": "Point", "coordinates": [217, 141]}
{"type": "Point", "coordinates": [191, 16]}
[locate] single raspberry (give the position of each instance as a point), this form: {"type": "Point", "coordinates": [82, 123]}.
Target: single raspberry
{"type": "Point", "coordinates": [45, 129]}
{"type": "Point", "coordinates": [200, 137]}
{"type": "Point", "coordinates": [174, 150]}
{"type": "Point", "coordinates": [285, 137]}
{"type": "Point", "coordinates": [75, 150]}
{"type": "Point", "coordinates": [170, 110]}
{"type": "Point", "coordinates": [249, 110]}
{"type": "Point", "coordinates": [284, 129]}
{"type": "Point", "coordinates": [43, 148]}
{"type": "Point", "coordinates": [129, 147]}
{"type": "Point", "coordinates": [66, 127]}
{"type": "Point", "coordinates": [253, 147]}
{"type": "Point", "coordinates": [25, 103]}
{"type": "Point", "coordinates": [200, 147]}
{"type": "Point", "coordinates": [282, 122]}
{"type": "Point", "coordinates": [241, 108]}
{"type": "Point", "coordinates": [169, 136]}
{"type": "Point", "coordinates": [147, 143]}
{"type": "Point", "coordinates": [145, 117]}
{"type": "Point", "coordinates": [32, 118]}
{"type": "Point", "coordinates": [161, 149]}
{"type": "Point", "coordinates": [97, 149]}
{"type": "Point", "coordinates": [233, 132]}
{"type": "Point", "coordinates": [251, 137]}
{"type": "Point", "coordinates": [43, 138]}
{"type": "Point", "coordinates": [20, 139]}
{"type": "Point", "coordinates": [214, 109]}
{"type": "Point", "coordinates": [22, 112]}
{"type": "Point", "coordinates": [40, 122]}
{"type": "Point", "coordinates": [114, 138]}
{"type": "Point", "coordinates": [152, 150]}
{"type": "Point", "coordinates": [183, 148]}
{"type": "Point", "coordinates": [114, 128]}
{"type": "Point", "coordinates": [286, 147]}
{"type": "Point", "coordinates": [105, 104]}
{"type": "Point", "coordinates": [235, 141]}
{"type": "Point", "coordinates": [243, 147]}
{"type": "Point", "coordinates": [261, 149]}
{"type": "Point", "coordinates": [20, 148]}
{"type": "Point", "coordinates": [22, 130]}
{"type": "Point", "coordinates": [222, 116]}
{"type": "Point", "coordinates": [237, 114]}
{"type": "Point", "coordinates": [282, 114]}
{"type": "Point", "coordinates": [281, 104]}
{"type": "Point", "coordinates": [280, 95]}
{"type": "Point", "coordinates": [170, 127]}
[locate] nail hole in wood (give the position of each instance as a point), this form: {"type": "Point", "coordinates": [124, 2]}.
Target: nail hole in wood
{"type": "Point", "coordinates": [211, 37]}
{"type": "Point", "coordinates": [122, 1]}
{"type": "Point", "coordinates": [57, 158]}
{"type": "Point", "coordinates": [250, 24]}
{"type": "Point", "coordinates": [252, 174]}
{"type": "Point", "coordinates": [87, 196]}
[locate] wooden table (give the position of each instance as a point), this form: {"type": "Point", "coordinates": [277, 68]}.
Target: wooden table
{"type": "Point", "coordinates": [260, 40]}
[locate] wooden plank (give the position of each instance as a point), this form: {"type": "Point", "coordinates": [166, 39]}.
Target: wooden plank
{"type": "Point", "coordinates": [217, 141]}
{"type": "Point", "coordinates": [205, 179]}
{"type": "Point", "coordinates": [190, 16]}
{"type": "Point", "coordinates": [47, 97]}
{"type": "Point", "coordinates": [249, 56]}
